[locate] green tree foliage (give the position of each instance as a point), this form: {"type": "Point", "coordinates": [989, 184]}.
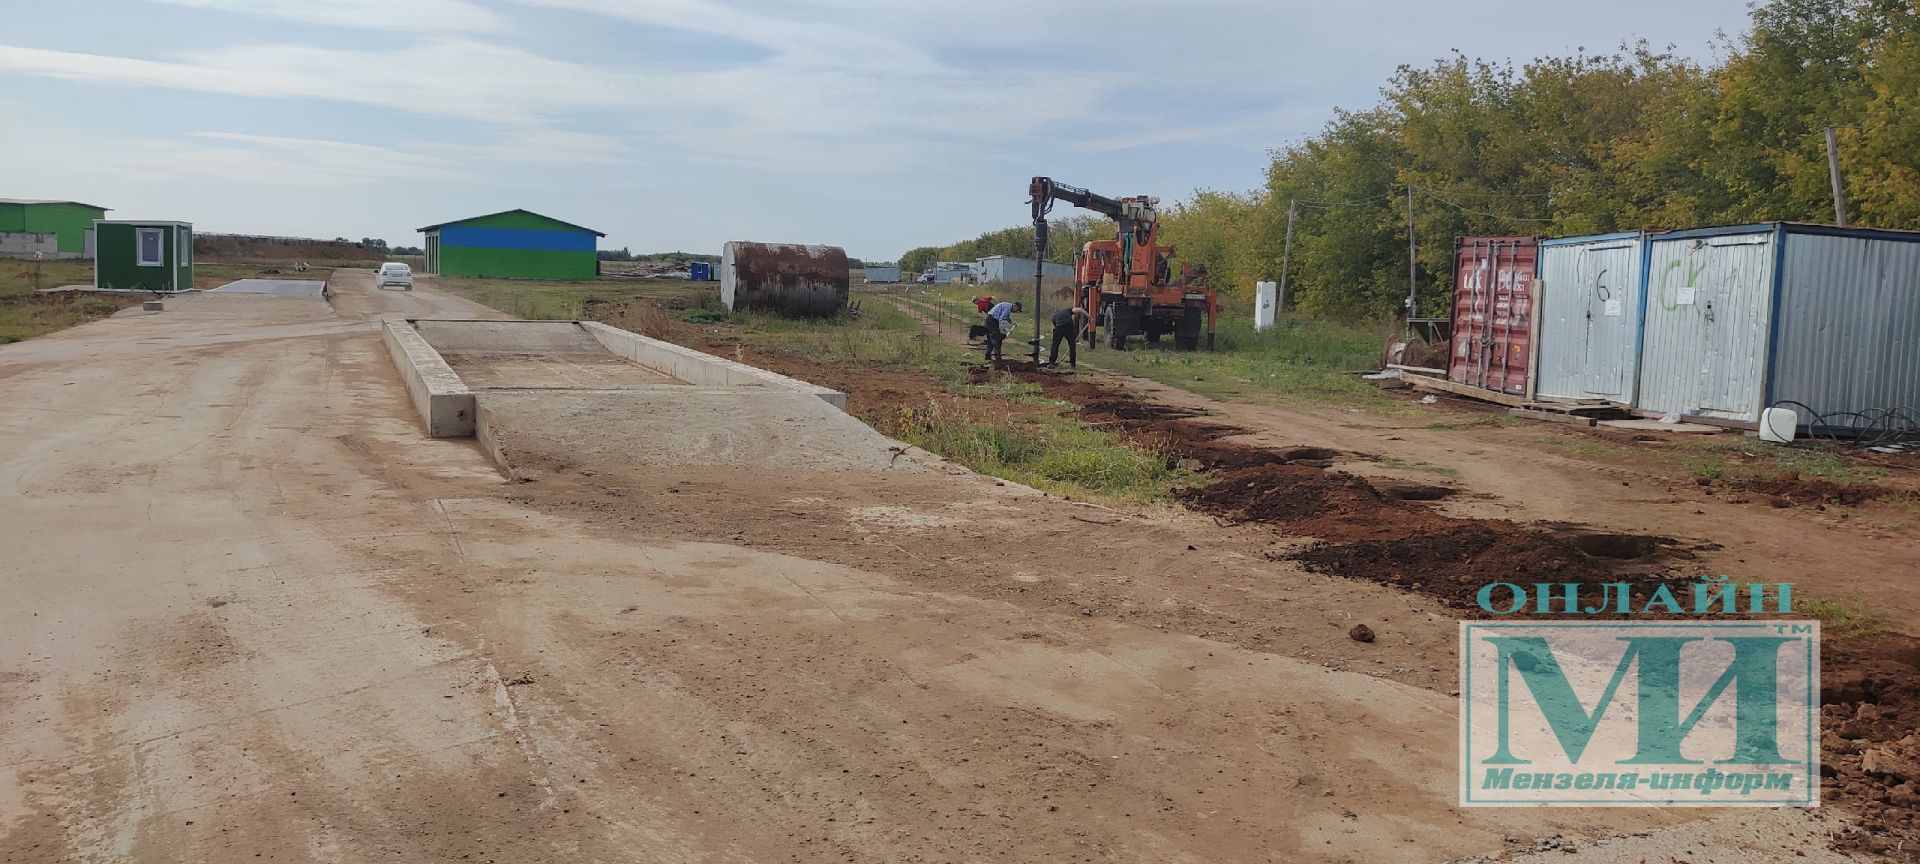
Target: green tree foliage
{"type": "Point", "coordinates": [1564, 146]}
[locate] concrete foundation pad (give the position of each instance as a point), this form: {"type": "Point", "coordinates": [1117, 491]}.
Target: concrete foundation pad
{"type": "Point", "coordinates": [507, 337]}
{"type": "Point", "coordinates": [281, 287]}
{"type": "Point", "coordinates": [695, 367]}
{"type": "Point", "coordinates": [532, 433]}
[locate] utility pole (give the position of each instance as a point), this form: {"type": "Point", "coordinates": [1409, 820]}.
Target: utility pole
{"type": "Point", "coordinates": [1839, 188]}
{"type": "Point", "coordinates": [1286, 257]}
{"type": "Point", "coordinates": [1412, 261]}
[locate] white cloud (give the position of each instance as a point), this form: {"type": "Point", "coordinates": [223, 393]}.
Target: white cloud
{"type": "Point", "coordinates": [270, 161]}
{"type": "Point", "coordinates": [535, 145]}
{"type": "Point", "coordinates": [458, 78]}
{"type": "Point", "coordinates": [401, 15]}
{"type": "Point", "coordinates": [807, 39]}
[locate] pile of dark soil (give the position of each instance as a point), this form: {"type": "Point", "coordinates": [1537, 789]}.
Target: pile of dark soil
{"type": "Point", "coordinates": [1792, 489]}
{"type": "Point", "coordinates": [1455, 561]}
{"type": "Point", "coordinates": [1304, 499]}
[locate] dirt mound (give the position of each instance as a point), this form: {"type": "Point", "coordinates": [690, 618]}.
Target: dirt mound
{"type": "Point", "coordinates": [1332, 505]}
{"type": "Point", "coordinates": [1456, 561]}
{"type": "Point", "coordinates": [1870, 737]}
{"type": "Point", "coordinates": [1794, 489]}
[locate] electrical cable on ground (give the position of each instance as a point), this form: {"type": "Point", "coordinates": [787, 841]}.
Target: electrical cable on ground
{"type": "Point", "coordinates": [1868, 428]}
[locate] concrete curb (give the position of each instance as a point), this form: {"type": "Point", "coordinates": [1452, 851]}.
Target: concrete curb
{"type": "Point", "coordinates": [442, 399]}
{"type": "Point", "coordinates": [699, 368]}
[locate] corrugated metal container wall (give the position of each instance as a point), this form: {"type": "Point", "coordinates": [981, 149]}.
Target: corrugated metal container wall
{"type": "Point", "coordinates": [1492, 303]}
{"type": "Point", "coordinates": [1589, 336]}
{"type": "Point", "coordinates": [1848, 331]}
{"type": "Point", "coordinates": [1709, 306]}
{"type": "Point", "coordinates": [882, 274]}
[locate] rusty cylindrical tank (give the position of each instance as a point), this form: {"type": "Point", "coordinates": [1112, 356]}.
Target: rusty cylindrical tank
{"type": "Point", "coordinates": [786, 278]}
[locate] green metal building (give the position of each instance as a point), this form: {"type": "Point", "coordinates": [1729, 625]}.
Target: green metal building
{"type": "Point", "coordinates": [513, 244]}
{"type": "Point", "coordinates": [67, 221]}
{"type": "Point", "coordinates": [143, 256]}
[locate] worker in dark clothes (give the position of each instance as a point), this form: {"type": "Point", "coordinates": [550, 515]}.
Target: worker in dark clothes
{"type": "Point", "coordinates": [999, 323]}
{"type": "Point", "coordinates": [1067, 324]}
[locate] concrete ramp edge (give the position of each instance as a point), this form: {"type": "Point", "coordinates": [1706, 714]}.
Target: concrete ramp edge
{"type": "Point", "coordinates": [698, 368]}
{"type": "Point", "coordinates": [442, 399]}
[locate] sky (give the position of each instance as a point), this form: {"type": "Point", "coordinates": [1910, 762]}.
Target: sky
{"type": "Point", "coordinates": [877, 125]}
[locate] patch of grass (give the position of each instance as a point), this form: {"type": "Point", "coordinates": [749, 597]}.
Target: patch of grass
{"type": "Point", "coordinates": [1414, 465]}
{"type": "Point", "coordinates": [25, 314]}
{"type": "Point", "coordinates": [1479, 422]}
{"type": "Point", "coordinates": [1053, 452]}
{"type": "Point", "coordinates": [1296, 360]}
{"type": "Point", "coordinates": [1706, 468]}
{"type": "Point", "coordinates": [18, 277]}
{"type": "Point", "coordinates": [1835, 617]}
{"type": "Point", "coordinates": [534, 299]}
{"type": "Point", "coordinates": [1011, 389]}
{"type": "Point", "coordinates": [1746, 458]}
{"type": "Point", "coordinates": [1582, 446]}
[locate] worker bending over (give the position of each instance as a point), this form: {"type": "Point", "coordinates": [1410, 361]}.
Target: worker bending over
{"type": "Point", "coordinates": [1067, 324]}
{"type": "Point", "coordinates": [999, 323]}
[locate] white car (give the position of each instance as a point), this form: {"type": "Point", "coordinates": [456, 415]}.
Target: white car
{"type": "Point", "coordinates": [394, 273]}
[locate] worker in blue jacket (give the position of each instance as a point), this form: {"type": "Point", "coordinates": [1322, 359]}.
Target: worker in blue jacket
{"type": "Point", "coordinates": [999, 324]}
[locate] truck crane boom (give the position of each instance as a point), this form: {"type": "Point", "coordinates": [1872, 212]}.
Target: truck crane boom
{"type": "Point", "coordinates": [1127, 283]}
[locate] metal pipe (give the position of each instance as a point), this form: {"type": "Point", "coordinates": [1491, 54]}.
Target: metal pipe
{"type": "Point", "coordinates": [1039, 274]}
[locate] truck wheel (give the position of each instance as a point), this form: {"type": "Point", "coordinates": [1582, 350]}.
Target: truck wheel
{"type": "Point", "coordinates": [1186, 334]}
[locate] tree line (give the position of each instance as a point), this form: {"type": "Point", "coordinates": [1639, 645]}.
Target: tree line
{"type": "Point", "coordinates": [1064, 236]}
{"type": "Point", "coordinates": [1639, 138]}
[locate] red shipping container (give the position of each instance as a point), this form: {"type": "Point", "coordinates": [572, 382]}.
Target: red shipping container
{"type": "Point", "coordinates": [1492, 309]}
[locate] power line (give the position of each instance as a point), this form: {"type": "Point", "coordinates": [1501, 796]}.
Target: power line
{"type": "Point", "coordinates": [1465, 209]}
{"type": "Point", "coordinates": [1328, 205]}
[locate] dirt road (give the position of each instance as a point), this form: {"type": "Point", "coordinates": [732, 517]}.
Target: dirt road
{"type": "Point", "coordinates": [252, 613]}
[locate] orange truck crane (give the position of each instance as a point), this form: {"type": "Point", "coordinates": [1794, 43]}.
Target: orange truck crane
{"type": "Point", "coordinates": [1127, 284]}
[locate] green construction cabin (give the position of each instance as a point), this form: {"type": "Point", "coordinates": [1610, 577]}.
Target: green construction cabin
{"type": "Point", "coordinates": [143, 256]}
{"type": "Point", "coordinates": [69, 223]}
{"type": "Point", "coordinates": [513, 244]}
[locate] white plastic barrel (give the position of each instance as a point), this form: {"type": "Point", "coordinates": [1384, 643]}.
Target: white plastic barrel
{"type": "Point", "coordinates": [1777, 425]}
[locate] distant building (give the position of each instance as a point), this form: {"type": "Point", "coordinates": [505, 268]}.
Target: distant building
{"type": "Point", "coordinates": [53, 229]}
{"type": "Point", "coordinates": [143, 256]}
{"type": "Point", "coordinates": [1006, 268]}
{"type": "Point", "coordinates": [882, 273]}
{"type": "Point", "coordinates": [513, 244]}
{"type": "Point", "coordinates": [952, 271]}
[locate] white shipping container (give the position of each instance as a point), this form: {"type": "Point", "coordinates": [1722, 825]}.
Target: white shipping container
{"type": "Point", "coordinates": [1743, 318]}
{"type": "Point", "coordinates": [1589, 293]}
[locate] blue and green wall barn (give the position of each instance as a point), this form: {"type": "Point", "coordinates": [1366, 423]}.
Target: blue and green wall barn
{"type": "Point", "coordinates": [514, 244]}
